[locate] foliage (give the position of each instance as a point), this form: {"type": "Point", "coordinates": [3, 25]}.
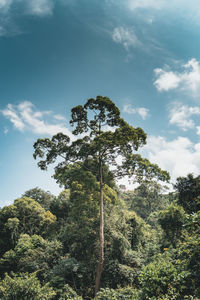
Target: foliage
{"type": "Point", "coordinates": [146, 198]}
{"type": "Point", "coordinates": [124, 231]}
{"type": "Point", "coordinates": [39, 195]}
{"type": "Point", "coordinates": [66, 293]}
{"type": "Point", "coordinates": [171, 220]}
{"type": "Point", "coordinates": [66, 177]}
{"type": "Point", "coordinates": [161, 276]}
{"type": "Point", "coordinates": [127, 293]}
{"type": "Point", "coordinates": [25, 216]}
{"type": "Point", "coordinates": [9, 225]}
{"type": "Point", "coordinates": [139, 231]}
{"type": "Point", "coordinates": [189, 251]}
{"type": "Point", "coordinates": [121, 141]}
{"type": "Point", "coordinates": [189, 193]}
{"type": "Point", "coordinates": [72, 272]}
{"type": "Point", "coordinates": [80, 232]}
{"type": "Point", "coordinates": [59, 206]}
{"type": "Point", "coordinates": [151, 248]}
{"type": "Point", "coordinates": [13, 225]}
{"type": "Point", "coordinates": [139, 262]}
{"type": "Point", "coordinates": [116, 274]}
{"type": "Point", "coordinates": [32, 253]}
{"type": "Point", "coordinates": [24, 286]}
{"type": "Point", "coordinates": [103, 147]}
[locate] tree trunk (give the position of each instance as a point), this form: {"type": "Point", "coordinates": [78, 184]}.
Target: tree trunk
{"type": "Point", "coordinates": [101, 235]}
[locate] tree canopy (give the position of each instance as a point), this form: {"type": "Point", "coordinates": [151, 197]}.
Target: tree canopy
{"type": "Point", "coordinates": [103, 136]}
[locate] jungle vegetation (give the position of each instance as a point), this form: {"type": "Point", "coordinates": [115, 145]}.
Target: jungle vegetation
{"type": "Point", "coordinates": [96, 240]}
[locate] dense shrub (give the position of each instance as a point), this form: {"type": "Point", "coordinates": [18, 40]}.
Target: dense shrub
{"type": "Point", "coordinates": [161, 276]}
{"type": "Point", "coordinates": [127, 293]}
{"type": "Point", "coordinates": [24, 286]}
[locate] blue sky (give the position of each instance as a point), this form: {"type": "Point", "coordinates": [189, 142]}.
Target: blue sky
{"type": "Point", "coordinates": [143, 54]}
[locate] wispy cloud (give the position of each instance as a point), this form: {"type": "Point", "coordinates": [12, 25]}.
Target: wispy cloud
{"type": "Point", "coordinates": [5, 130]}
{"type": "Point", "coordinates": [198, 130]}
{"type": "Point", "coordinates": [11, 114]}
{"type": "Point", "coordinates": [180, 115]}
{"type": "Point", "coordinates": [59, 117]}
{"type": "Point", "coordinates": [25, 117]}
{"type": "Point", "coordinates": [186, 6]}
{"type": "Point", "coordinates": [32, 7]}
{"type": "Point", "coordinates": [39, 7]}
{"type": "Point", "coordinates": [142, 111]}
{"type": "Point", "coordinates": [5, 5]}
{"type": "Point", "coordinates": [135, 4]}
{"type": "Point", "coordinates": [188, 80]}
{"type": "Point", "coordinates": [126, 37]}
{"type": "Point", "coordinates": [8, 13]}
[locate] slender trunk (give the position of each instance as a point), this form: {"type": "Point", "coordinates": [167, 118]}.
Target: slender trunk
{"type": "Point", "coordinates": [101, 234]}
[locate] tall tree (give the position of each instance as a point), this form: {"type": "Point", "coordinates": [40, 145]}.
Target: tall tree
{"type": "Point", "coordinates": [102, 136]}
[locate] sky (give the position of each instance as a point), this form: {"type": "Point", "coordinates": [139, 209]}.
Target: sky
{"type": "Point", "coordinates": [55, 54]}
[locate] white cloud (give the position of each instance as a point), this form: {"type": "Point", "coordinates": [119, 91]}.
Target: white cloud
{"type": "Point", "coordinates": [179, 156]}
{"type": "Point", "coordinates": [3, 31]}
{"type": "Point", "coordinates": [180, 115]}
{"type": "Point", "coordinates": [5, 130]}
{"type": "Point", "coordinates": [188, 80]}
{"type": "Point", "coordinates": [25, 117]}
{"type": "Point", "coordinates": [5, 5]}
{"type": "Point", "coordinates": [60, 118]}
{"type": "Point", "coordinates": [192, 75]}
{"type": "Point", "coordinates": [31, 7]}
{"type": "Point", "coordinates": [190, 8]}
{"type": "Point", "coordinates": [142, 111]}
{"type": "Point", "coordinates": [166, 80]}
{"type": "Point", "coordinates": [198, 130]}
{"type": "Point", "coordinates": [125, 37]}
{"type": "Point", "coordinates": [13, 116]}
{"type": "Point", "coordinates": [40, 7]}
{"type": "Point", "coordinates": [135, 4]}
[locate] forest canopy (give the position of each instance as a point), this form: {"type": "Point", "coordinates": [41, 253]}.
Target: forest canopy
{"type": "Point", "coordinates": [95, 240]}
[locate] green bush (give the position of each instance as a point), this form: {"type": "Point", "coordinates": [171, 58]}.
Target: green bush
{"type": "Point", "coordinates": [171, 220]}
{"type": "Point", "coordinates": [24, 286]}
{"type": "Point", "coordinates": [116, 274]}
{"type": "Point", "coordinates": [161, 277]}
{"type": "Point", "coordinates": [127, 293]}
{"type": "Point", "coordinates": [68, 294]}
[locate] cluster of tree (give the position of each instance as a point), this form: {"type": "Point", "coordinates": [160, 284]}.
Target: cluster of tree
{"type": "Point", "coordinates": [94, 240]}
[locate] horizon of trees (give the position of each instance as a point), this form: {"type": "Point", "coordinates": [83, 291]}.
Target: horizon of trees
{"type": "Point", "coordinates": [49, 244]}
